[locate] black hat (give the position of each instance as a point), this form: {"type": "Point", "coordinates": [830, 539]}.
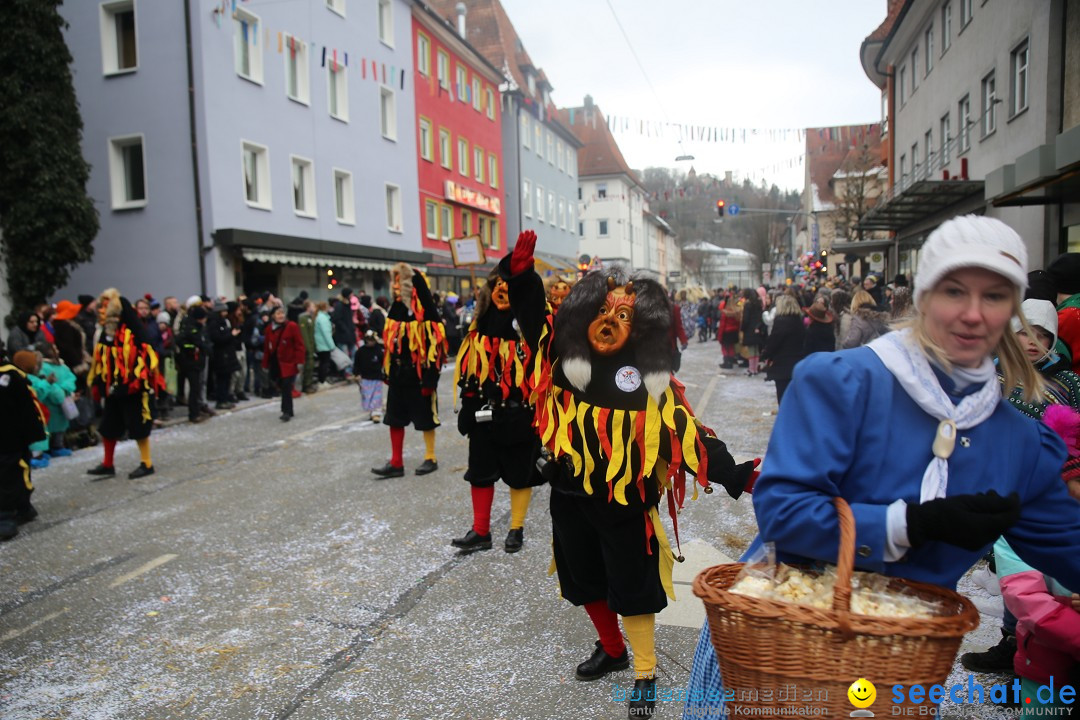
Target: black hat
{"type": "Point", "coordinates": [1065, 272]}
{"type": "Point", "coordinates": [1041, 286]}
{"type": "Point", "coordinates": [85, 300]}
{"type": "Point", "coordinates": [347, 292]}
{"type": "Point", "coordinates": [197, 313]}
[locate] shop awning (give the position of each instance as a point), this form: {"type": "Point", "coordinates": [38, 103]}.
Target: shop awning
{"type": "Point", "coordinates": [865, 246]}
{"type": "Point", "coordinates": [554, 263]}
{"type": "Point", "coordinates": [284, 257]}
{"type": "Point", "coordinates": [918, 201]}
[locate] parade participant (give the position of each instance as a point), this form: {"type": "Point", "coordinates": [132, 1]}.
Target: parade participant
{"type": "Point", "coordinates": [415, 343]}
{"type": "Point", "coordinates": [492, 372]}
{"type": "Point", "coordinates": [123, 376]}
{"type": "Point", "coordinates": [617, 433]}
{"type": "Point", "coordinates": [21, 424]}
{"type": "Point", "coordinates": [283, 356]}
{"type": "Point", "coordinates": [952, 469]}
{"type": "Point", "coordinates": [557, 288]}
{"type": "Point", "coordinates": [1064, 272]}
{"type": "Point", "coordinates": [368, 367]}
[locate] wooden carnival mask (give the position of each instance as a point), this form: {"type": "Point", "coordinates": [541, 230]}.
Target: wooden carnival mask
{"type": "Point", "coordinates": [610, 330]}
{"type": "Point", "coordinates": [500, 295]}
{"type": "Point", "coordinates": [559, 291]}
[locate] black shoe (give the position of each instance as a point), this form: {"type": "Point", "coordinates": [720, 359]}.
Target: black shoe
{"type": "Point", "coordinates": [472, 542]}
{"type": "Point", "coordinates": [642, 698]}
{"type": "Point", "coordinates": [389, 471]}
{"type": "Point", "coordinates": [27, 514]}
{"type": "Point", "coordinates": [600, 664]}
{"type": "Point", "coordinates": [8, 527]}
{"type": "Point", "coordinates": [224, 406]}
{"type": "Point", "coordinates": [142, 471]}
{"type": "Point", "coordinates": [102, 472]}
{"type": "Point", "coordinates": [428, 466]}
{"type": "Point", "coordinates": [998, 659]}
{"type": "Point", "coordinates": [242, 398]}
{"type": "Point", "coordinates": [198, 419]}
{"type": "Point", "coordinates": [285, 417]}
{"type": "Point", "coordinates": [514, 540]}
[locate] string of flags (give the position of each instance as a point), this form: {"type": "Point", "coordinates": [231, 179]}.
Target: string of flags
{"type": "Point", "coordinates": [716, 134]}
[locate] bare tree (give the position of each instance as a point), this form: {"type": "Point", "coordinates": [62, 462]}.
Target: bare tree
{"type": "Point", "coordinates": [857, 186]}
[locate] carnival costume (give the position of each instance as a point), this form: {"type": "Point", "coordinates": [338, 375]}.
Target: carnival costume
{"type": "Point", "coordinates": [22, 422]}
{"type": "Point", "coordinates": [415, 342]}
{"type": "Point", "coordinates": [124, 375]}
{"type": "Point", "coordinates": [617, 434]}
{"type": "Point", "coordinates": [492, 373]}
{"type": "Point", "coordinates": [557, 288]}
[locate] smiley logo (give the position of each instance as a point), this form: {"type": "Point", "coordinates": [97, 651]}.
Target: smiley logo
{"type": "Point", "coordinates": [862, 693]}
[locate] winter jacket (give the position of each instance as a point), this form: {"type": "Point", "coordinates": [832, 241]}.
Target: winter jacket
{"type": "Point", "coordinates": [53, 397]}
{"type": "Point", "coordinates": [368, 363]}
{"type": "Point", "coordinates": [71, 344]}
{"type": "Point", "coordinates": [866, 324]}
{"type": "Point", "coordinates": [192, 345]}
{"type": "Point", "coordinates": [752, 327]}
{"type": "Point", "coordinates": [784, 348]}
{"type": "Point", "coordinates": [344, 327]}
{"type": "Point", "coordinates": [1047, 628]}
{"type": "Point", "coordinates": [18, 339]}
{"type": "Point", "coordinates": [377, 321]}
{"type": "Point", "coordinates": [285, 347]}
{"type": "Point", "coordinates": [307, 332]}
{"type": "Point", "coordinates": [223, 356]}
{"type": "Point", "coordinates": [324, 333]}
{"type": "Point", "coordinates": [819, 338]}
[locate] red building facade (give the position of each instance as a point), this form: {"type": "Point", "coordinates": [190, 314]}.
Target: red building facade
{"type": "Point", "coordinates": [459, 142]}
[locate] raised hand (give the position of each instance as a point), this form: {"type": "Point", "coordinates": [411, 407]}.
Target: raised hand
{"type": "Point", "coordinates": [522, 258]}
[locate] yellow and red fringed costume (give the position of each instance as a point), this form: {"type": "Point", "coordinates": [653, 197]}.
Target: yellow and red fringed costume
{"type": "Point", "coordinates": [125, 366]}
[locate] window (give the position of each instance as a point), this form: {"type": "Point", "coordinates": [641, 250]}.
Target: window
{"type": "Point", "coordinates": [466, 223]}
{"type": "Point", "coordinates": [928, 42]}
{"type": "Point", "coordinates": [386, 22]}
{"type": "Point", "coordinates": [462, 83]}
{"type": "Point", "coordinates": [337, 6]}
{"type": "Point", "coordinates": [601, 190]}
{"type": "Point", "coordinates": [337, 91]}
{"type": "Point", "coordinates": [388, 113]}
{"type": "Point", "coordinates": [1018, 88]}
{"type": "Point", "coordinates": [989, 104]}
{"type": "Point", "coordinates": [344, 204]}
{"type": "Point", "coordinates": [928, 151]}
{"type": "Point", "coordinates": [443, 70]}
{"type": "Point", "coordinates": [562, 213]}
{"type": "Point", "coordinates": [526, 198]}
{"type": "Point", "coordinates": [963, 120]}
{"type": "Point", "coordinates": [478, 163]}
{"type": "Point", "coordinates": [945, 139]}
{"type": "Point", "coordinates": [249, 64]}
{"type": "Point", "coordinates": [463, 156]}
{"type": "Point", "coordinates": [914, 68]}
{"type": "Point", "coordinates": [603, 228]}
{"type": "Point", "coordinates": [425, 139]}
{"type": "Point", "coordinates": [903, 85]}
{"type": "Point", "coordinates": [446, 222]}
{"type": "Point", "coordinates": [946, 26]}
{"type": "Point", "coordinates": [581, 229]}
{"type": "Point", "coordinates": [444, 149]}
{"type": "Point", "coordinates": [256, 173]}
{"type": "Point", "coordinates": [119, 49]}
{"type": "Point", "coordinates": [884, 113]}
{"type": "Point", "coordinates": [490, 94]}
{"type": "Point", "coordinates": [551, 208]}
{"type": "Point", "coordinates": [423, 54]}
{"type": "Point", "coordinates": [965, 13]}
{"type": "Point", "coordinates": [570, 217]}
{"type": "Point", "coordinates": [561, 150]}
{"type": "Point", "coordinates": [431, 219]}
{"type": "Point", "coordinates": [393, 208]}
{"type": "Point", "coordinates": [914, 161]}
{"type": "Point", "coordinates": [493, 170]}
{"type": "Point", "coordinates": [296, 69]}
{"type": "Point", "coordinates": [493, 234]}
{"type": "Point", "coordinates": [303, 186]}
{"type": "Point", "coordinates": [550, 148]}
{"type": "Point", "coordinates": [903, 170]}
{"type": "Point", "coordinates": [539, 203]}
{"type": "Point", "coordinates": [538, 136]}
{"type": "Point", "coordinates": [525, 130]}
{"type": "Point", "coordinates": [476, 94]}
{"type": "Point", "coordinates": [127, 172]}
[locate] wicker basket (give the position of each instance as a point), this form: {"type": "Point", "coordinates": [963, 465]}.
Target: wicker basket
{"type": "Point", "coordinates": [776, 655]}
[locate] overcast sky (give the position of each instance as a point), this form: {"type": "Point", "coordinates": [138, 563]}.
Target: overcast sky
{"type": "Point", "coordinates": [722, 63]}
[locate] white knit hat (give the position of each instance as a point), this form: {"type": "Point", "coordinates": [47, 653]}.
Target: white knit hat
{"type": "Point", "coordinates": [971, 241]}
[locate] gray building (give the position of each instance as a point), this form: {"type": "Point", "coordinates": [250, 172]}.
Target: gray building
{"type": "Point", "coordinates": [290, 165]}
{"type": "Point", "coordinates": [968, 87]}
{"type": "Point", "coordinates": [539, 151]}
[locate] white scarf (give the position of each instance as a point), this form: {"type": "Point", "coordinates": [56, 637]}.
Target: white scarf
{"type": "Point", "coordinates": [909, 365]}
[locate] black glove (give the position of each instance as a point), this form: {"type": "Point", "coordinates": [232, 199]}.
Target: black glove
{"type": "Point", "coordinates": [968, 521]}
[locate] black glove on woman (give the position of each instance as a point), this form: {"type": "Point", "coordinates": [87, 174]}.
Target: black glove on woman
{"type": "Point", "coordinates": [967, 521]}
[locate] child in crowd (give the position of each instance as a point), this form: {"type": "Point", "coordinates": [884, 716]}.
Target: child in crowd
{"type": "Point", "coordinates": [368, 365]}
{"type": "Point", "coordinates": [53, 367]}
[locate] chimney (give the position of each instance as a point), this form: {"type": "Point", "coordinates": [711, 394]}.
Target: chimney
{"type": "Point", "coordinates": [460, 7]}
{"type": "Point", "coordinates": [588, 102]}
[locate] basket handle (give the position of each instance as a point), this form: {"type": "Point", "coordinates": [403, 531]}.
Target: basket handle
{"type": "Point", "coordinates": [845, 561]}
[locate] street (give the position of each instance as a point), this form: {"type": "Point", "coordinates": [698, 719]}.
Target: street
{"type": "Point", "coordinates": [264, 573]}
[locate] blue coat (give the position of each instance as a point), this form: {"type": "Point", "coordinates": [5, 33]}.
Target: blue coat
{"type": "Point", "coordinates": [324, 333]}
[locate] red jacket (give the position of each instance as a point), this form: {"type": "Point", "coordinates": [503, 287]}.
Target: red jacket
{"type": "Point", "coordinates": [286, 346]}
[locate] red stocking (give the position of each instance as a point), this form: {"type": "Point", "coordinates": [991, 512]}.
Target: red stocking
{"type": "Point", "coordinates": [607, 627]}
{"type": "Point", "coordinates": [110, 448]}
{"type": "Point", "coordinates": [482, 497]}
{"type": "Point", "coordinates": [397, 440]}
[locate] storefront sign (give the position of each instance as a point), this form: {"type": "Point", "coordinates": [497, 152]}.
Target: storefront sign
{"type": "Point", "coordinates": [465, 196]}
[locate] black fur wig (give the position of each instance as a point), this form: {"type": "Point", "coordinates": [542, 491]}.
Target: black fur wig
{"type": "Point", "coordinates": [649, 334]}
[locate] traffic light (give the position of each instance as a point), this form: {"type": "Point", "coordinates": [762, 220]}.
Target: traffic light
{"type": "Point", "coordinates": [720, 207]}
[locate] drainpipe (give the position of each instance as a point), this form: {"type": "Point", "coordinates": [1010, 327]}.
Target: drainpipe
{"type": "Point", "coordinates": [194, 148]}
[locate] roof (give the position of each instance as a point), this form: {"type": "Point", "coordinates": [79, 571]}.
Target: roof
{"type": "Point", "coordinates": [871, 47]}
{"type": "Point", "coordinates": [599, 154]}
{"type": "Point", "coordinates": [828, 149]}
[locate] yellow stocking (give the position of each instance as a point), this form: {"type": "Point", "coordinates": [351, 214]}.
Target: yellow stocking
{"type": "Point", "coordinates": [144, 451]}
{"type": "Point", "coordinates": [429, 445]}
{"type": "Point", "coordinates": [641, 632]}
{"type": "Point", "coordinates": [519, 505]}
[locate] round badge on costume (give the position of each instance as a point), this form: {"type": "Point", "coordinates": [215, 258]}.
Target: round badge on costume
{"type": "Point", "coordinates": [628, 379]}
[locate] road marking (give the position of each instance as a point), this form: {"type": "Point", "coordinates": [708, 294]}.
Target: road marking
{"type": "Point", "coordinates": [12, 634]}
{"type": "Point", "coordinates": [699, 409]}
{"type": "Point", "coordinates": [160, 560]}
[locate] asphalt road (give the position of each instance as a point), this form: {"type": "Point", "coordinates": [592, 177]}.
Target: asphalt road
{"type": "Point", "coordinates": [264, 573]}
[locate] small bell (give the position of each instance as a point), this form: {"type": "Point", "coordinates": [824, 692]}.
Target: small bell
{"type": "Point", "coordinates": [707, 490]}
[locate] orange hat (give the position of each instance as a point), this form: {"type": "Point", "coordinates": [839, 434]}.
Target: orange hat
{"type": "Point", "coordinates": [66, 310]}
